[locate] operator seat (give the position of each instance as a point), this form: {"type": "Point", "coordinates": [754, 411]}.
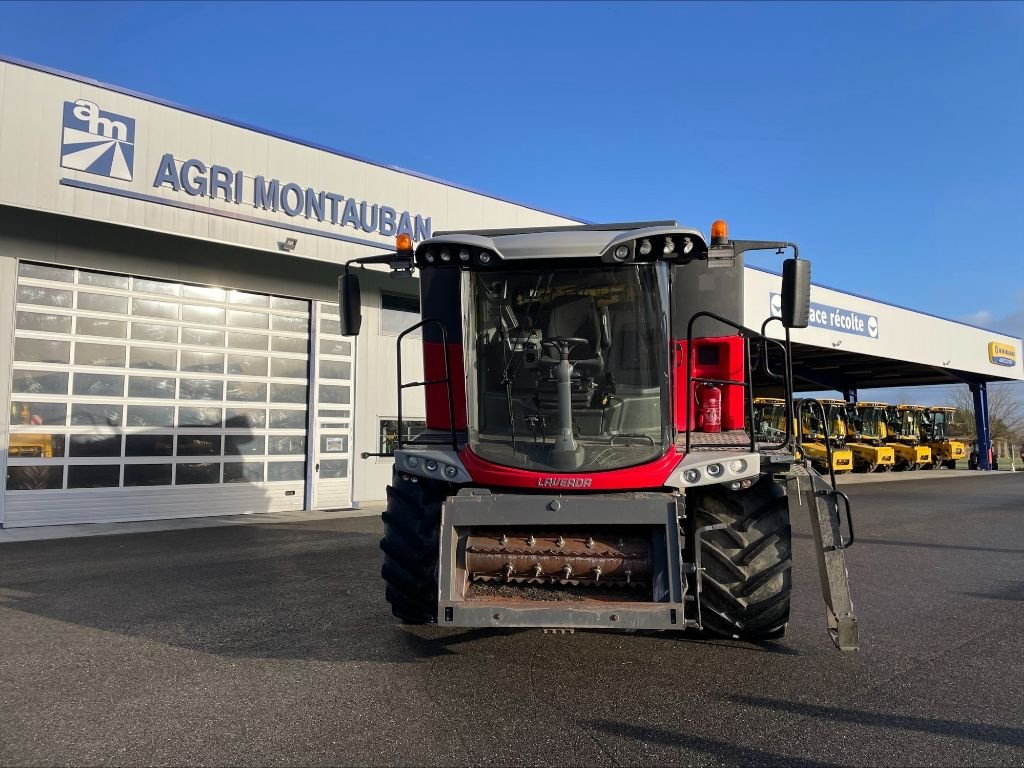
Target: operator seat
{"type": "Point", "coordinates": [577, 316]}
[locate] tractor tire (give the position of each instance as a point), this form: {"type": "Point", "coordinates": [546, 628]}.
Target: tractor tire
{"type": "Point", "coordinates": [949, 464]}
{"type": "Point", "coordinates": [746, 580]}
{"type": "Point", "coordinates": [412, 528]}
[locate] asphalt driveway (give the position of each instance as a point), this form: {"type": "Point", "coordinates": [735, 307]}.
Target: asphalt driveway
{"type": "Point", "coordinates": [272, 644]}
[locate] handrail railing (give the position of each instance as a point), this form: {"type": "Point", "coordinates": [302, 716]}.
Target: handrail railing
{"type": "Point", "coordinates": [447, 380]}
{"type": "Point", "coordinates": [747, 383]}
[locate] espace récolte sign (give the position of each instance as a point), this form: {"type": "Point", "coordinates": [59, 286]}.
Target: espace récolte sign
{"type": "Point", "coordinates": [834, 318]}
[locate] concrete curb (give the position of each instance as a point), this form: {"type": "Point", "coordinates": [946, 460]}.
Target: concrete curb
{"type": "Point", "coordinates": [48, 532]}
{"type": "Point", "coordinates": [899, 477]}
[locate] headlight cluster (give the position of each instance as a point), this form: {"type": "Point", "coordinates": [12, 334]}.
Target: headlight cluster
{"type": "Point", "coordinates": [648, 248]}
{"type": "Point", "coordinates": [719, 471]}
{"type": "Point", "coordinates": [432, 466]}
{"type": "Point", "coordinates": [454, 255]}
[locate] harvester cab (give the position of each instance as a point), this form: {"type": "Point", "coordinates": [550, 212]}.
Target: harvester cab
{"type": "Point", "coordinates": [864, 436]}
{"type": "Point", "coordinates": [903, 423]}
{"type": "Point", "coordinates": [936, 424]}
{"type": "Point", "coordinates": [587, 461]}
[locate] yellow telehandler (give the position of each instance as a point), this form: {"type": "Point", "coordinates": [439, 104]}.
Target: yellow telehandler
{"type": "Point", "coordinates": [904, 426]}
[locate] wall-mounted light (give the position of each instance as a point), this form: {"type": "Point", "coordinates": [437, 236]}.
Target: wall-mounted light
{"type": "Point", "coordinates": [288, 244]}
{"type": "Point", "coordinates": [946, 362]}
{"type": "Point", "coordinates": [837, 343]}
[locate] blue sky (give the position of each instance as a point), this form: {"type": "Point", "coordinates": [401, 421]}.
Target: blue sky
{"type": "Point", "coordinates": [885, 138]}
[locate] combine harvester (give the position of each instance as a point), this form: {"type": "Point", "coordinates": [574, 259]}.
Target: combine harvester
{"type": "Point", "coordinates": [586, 462]}
{"type": "Point", "coordinates": [769, 420]}
{"type": "Point", "coordinates": [864, 438]}
{"type": "Point", "coordinates": [936, 422]}
{"type": "Point", "coordinates": [903, 423]}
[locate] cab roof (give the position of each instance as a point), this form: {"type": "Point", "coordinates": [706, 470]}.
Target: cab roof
{"type": "Point", "coordinates": [490, 247]}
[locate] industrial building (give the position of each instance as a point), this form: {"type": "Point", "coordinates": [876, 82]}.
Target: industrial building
{"type": "Point", "coordinates": [169, 315]}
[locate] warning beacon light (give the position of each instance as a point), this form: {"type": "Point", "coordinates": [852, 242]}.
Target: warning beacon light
{"type": "Point", "coordinates": [719, 232]}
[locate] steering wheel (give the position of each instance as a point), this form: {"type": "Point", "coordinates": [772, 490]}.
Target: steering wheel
{"type": "Point", "coordinates": [564, 344]}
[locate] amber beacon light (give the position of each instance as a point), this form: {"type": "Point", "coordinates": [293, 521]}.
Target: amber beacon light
{"type": "Point", "coordinates": [403, 242]}
{"type": "Point", "coordinates": [719, 232]}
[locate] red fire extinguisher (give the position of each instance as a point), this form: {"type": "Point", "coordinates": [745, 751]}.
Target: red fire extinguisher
{"type": "Point", "coordinates": [709, 408]}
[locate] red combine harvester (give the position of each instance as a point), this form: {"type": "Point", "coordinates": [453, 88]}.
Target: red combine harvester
{"type": "Point", "coordinates": [590, 458]}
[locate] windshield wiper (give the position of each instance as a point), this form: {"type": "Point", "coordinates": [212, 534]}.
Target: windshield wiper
{"type": "Point", "coordinates": [650, 439]}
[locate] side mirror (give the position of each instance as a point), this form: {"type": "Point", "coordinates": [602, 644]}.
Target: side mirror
{"type": "Point", "coordinates": [796, 293]}
{"type": "Point", "coordinates": [350, 303]}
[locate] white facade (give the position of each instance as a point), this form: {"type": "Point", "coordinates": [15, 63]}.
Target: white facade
{"type": "Point", "coordinates": [168, 281]}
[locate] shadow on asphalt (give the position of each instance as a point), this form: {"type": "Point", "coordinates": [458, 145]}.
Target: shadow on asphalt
{"type": "Point", "coordinates": [724, 752]}
{"type": "Point", "coordinates": [926, 545]}
{"type": "Point", "coordinates": [990, 734]}
{"type": "Point", "coordinates": [254, 591]}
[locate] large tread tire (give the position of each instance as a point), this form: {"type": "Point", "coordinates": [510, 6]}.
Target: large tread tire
{"type": "Point", "coordinates": [747, 579]}
{"type": "Point", "coordinates": [412, 528]}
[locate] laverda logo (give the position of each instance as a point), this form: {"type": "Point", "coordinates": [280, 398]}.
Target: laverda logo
{"type": "Point", "coordinates": [564, 482]}
{"type": "Point", "coordinates": [97, 142]}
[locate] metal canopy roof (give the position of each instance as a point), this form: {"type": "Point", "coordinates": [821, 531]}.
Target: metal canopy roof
{"type": "Point", "coordinates": [817, 368]}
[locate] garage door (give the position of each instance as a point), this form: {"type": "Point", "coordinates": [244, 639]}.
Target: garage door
{"type": "Point", "coordinates": [138, 399]}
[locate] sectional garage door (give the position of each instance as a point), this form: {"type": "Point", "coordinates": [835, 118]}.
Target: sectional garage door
{"type": "Point", "coordinates": [136, 399]}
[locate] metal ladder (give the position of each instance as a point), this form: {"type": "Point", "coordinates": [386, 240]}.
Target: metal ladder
{"type": "Point", "coordinates": [824, 500]}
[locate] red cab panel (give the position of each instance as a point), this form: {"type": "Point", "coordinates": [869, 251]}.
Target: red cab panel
{"type": "Point", "coordinates": [714, 358]}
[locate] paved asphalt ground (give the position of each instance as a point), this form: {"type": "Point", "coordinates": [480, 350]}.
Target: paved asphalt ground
{"type": "Point", "coordinates": [272, 644]}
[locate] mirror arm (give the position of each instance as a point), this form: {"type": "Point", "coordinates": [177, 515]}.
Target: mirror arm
{"type": "Point", "coordinates": [741, 246]}
{"type": "Point", "coordinates": [393, 260]}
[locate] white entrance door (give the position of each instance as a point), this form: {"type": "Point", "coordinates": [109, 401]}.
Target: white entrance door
{"type": "Point", "coordinates": [332, 411]}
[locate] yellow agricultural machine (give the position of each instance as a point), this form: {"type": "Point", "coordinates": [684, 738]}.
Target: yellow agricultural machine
{"type": "Point", "coordinates": [863, 438]}
{"type": "Point", "coordinates": [904, 426]}
{"type": "Point", "coordinates": [936, 423]}
{"type": "Point", "coordinates": [769, 416]}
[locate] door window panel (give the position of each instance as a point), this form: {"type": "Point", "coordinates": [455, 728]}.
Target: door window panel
{"type": "Point", "coordinates": [153, 358]}
{"type": "Point", "coordinates": [102, 279]}
{"type": "Point", "coordinates": [87, 353]}
{"type": "Point", "coordinates": [36, 321]}
{"type": "Point", "coordinates": [199, 417]}
{"type": "Point", "coordinates": [154, 332]}
{"type": "Point", "coordinates": [42, 351]}
{"type": "Point", "coordinates": [243, 472]}
{"type": "Point", "coordinates": [96, 414]}
{"type": "Point", "coordinates": [289, 344]}
{"type": "Point", "coordinates": [51, 297]}
{"type": "Point", "coordinates": [35, 477]}
{"type": "Point", "coordinates": [147, 474]}
{"type": "Point", "coordinates": [150, 416]}
{"type": "Point", "coordinates": [202, 337]}
{"type": "Point", "coordinates": [103, 302]}
{"type": "Point", "coordinates": [98, 385]}
{"type": "Point", "coordinates": [94, 326]}
{"type": "Point", "coordinates": [197, 474]}
{"type": "Point", "coordinates": [38, 414]}
{"type": "Point", "coordinates": [151, 387]}
{"type": "Point", "coordinates": [40, 382]}
{"type": "Point", "coordinates": [245, 418]}
{"type": "Point", "coordinates": [46, 272]}
{"type": "Point", "coordinates": [36, 445]}
{"type": "Point", "coordinates": [149, 445]}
